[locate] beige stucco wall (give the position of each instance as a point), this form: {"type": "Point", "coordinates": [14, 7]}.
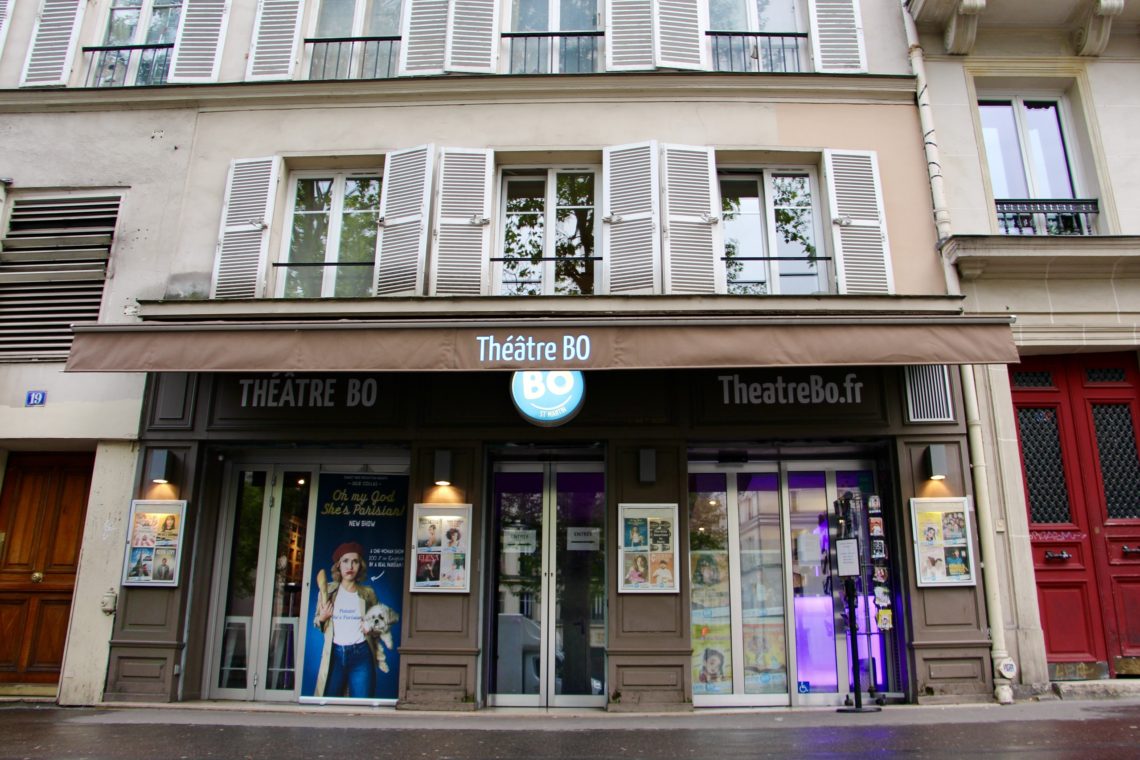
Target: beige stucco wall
{"type": "Point", "coordinates": [85, 655]}
{"type": "Point", "coordinates": [80, 409]}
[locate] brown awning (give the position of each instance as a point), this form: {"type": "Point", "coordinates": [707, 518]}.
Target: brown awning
{"type": "Point", "coordinates": [465, 345]}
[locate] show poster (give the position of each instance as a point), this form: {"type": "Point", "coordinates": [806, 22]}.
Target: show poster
{"type": "Point", "coordinates": [365, 515]}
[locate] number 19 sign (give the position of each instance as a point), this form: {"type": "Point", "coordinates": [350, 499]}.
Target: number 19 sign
{"type": "Point", "coordinates": [548, 398]}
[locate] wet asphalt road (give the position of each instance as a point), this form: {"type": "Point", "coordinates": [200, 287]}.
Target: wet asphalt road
{"type": "Point", "coordinates": [1084, 730]}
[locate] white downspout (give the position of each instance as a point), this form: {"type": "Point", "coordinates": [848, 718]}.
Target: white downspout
{"type": "Point", "coordinates": [1004, 667]}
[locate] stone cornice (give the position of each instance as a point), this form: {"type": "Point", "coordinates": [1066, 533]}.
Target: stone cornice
{"type": "Point", "coordinates": [1043, 257]}
{"type": "Point", "coordinates": [649, 86]}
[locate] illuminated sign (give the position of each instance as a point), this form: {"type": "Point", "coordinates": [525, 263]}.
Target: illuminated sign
{"type": "Point", "coordinates": [548, 398]}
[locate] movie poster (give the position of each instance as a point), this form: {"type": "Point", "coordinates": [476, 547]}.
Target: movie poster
{"type": "Point", "coordinates": [356, 579]}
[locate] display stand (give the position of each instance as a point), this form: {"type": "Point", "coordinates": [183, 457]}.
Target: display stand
{"type": "Point", "coordinates": [857, 555]}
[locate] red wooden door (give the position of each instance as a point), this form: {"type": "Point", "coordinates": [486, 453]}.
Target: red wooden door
{"type": "Point", "coordinates": [42, 506]}
{"type": "Point", "coordinates": [1077, 421]}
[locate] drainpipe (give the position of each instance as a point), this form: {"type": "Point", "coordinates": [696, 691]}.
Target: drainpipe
{"type": "Point", "coordinates": [1004, 667]}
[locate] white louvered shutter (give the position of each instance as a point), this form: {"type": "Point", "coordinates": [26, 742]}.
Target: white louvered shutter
{"type": "Point", "coordinates": [629, 35]}
{"type": "Point", "coordinates": [631, 222]}
{"type": "Point", "coordinates": [53, 43]}
{"type": "Point", "coordinates": [679, 34]}
{"type": "Point", "coordinates": [473, 37]}
{"type": "Point", "coordinates": [5, 15]}
{"type": "Point", "coordinates": [239, 269]}
{"type": "Point", "coordinates": [198, 47]}
{"type": "Point", "coordinates": [837, 36]}
{"type": "Point", "coordinates": [463, 222]}
{"type": "Point", "coordinates": [693, 232]}
{"type": "Point", "coordinates": [401, 248]}
{"type": "Point", "coordinates": [928, 397]}
{"type": "Point", "coordinates": [276, 33]}
{"type": "Point", "coordinates": [424, 37]}
{"type": "Point", "coordinates": [859, 228]}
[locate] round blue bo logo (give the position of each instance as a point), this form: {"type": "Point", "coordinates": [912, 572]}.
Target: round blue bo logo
{"type": "Point", "coordinates": [548, 398]}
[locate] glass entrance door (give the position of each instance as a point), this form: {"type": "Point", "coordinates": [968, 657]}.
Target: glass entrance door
{"type": "Point", "coordinates": [257, 628]}
{"type": "Point", "coordinates": [549, 584]}
{"type": "Point", "coordinates": [765, 606]}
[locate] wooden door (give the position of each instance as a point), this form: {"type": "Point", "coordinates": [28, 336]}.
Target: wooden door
{"type": "Point", "coordinates": [1077, 421]}
{"type": "Point", "coordinates": [42, 507]}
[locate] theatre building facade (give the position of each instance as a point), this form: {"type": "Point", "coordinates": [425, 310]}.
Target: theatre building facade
{"type": "Point", "coordinates": [467, 384]}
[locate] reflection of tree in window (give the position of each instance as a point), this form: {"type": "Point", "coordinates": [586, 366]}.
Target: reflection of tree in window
{"type": "Point", "coordinates": [752, 261]}
{"type": "Point", "coordinates": [533, 262]}
{"type": "Point", "coordinates": [136, 23]}
{"type": "Point", "coordinates": [334, 223]}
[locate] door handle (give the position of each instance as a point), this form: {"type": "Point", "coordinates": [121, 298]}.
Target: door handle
{"type": "Point", "coordinates": [1126, 549]}
{"type": "Point", "coordinates": [37, 577]}
{"type": "Point", "coordinates": [1061, 555]}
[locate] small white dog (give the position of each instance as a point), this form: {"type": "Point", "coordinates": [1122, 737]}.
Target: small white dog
{"type": "Point", "coordinates": [378, 622]}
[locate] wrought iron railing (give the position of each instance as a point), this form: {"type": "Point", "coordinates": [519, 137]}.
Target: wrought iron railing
{"type": "Point", "coordinates": [757, 52]}
{"type": "Point", "coordinates": [1047, 217]}
{"type": "Point", "coordinates": [127, 65]}
{"type": "Point", "coordinates": [553, 52]}
{"type": "Point", "coordinates": [353, 57]}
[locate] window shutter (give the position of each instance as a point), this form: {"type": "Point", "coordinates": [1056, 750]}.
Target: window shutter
{"type": "Point", "coordinates": [629, 35]}
{"type": "Point", "coordinates": [463, 222]}
{"type": "Point", "coordinates": [239, 270]}
{"type": "Point", "coordinates": [401, 253]}
{"type": "Point", "coordinates": [631, 221]}
{"type": "Point", "coordinates": [837, 36]}
{"type": "Point", "coordinates": [53, 43]}
{"type": "Point", "coordinates": [859, 228]}
{"type": "Point", "coordinates": [424, 37]}
{"type": "Point", "coordinates": [679, 34]}
{"type": "Point", "coordinates": [5, 15]}
{"type": "Point", "coordinates": [693, 236]}
{"type": "Point", "coordinates": [275, 35]}
{"type": "Point", "coordinates": [473, 37]}
{"type": "Point", "coordinates": [198, 48]}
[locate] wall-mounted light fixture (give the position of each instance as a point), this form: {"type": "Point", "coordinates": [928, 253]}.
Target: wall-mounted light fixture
{"type": "Point", "coordinates": [441, 471]}
{"type": "Point", "coordinates": [647, 466]}
{"type": "Point", "coordinates": [161, 466]}
{"type": "Point", "coordinates": [935, 461]}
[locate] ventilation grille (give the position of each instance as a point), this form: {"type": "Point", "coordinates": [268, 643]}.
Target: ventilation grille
{"type": "Point", "coordinates": [53, 263]}
{"type": "Point", "coordinates": [928, 393]}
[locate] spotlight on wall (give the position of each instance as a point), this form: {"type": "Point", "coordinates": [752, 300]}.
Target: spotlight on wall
{"type": "Point", "coordinates": [935, 461]}
{"type": "Point", "coordinates": [160, 466]}
{"type": "Point", "coordinates": [441, 472]}
{"type": "Point", "coordinates": [647, 466]}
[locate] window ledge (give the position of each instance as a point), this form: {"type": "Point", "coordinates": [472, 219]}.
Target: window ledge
{"type": "Point", "coordinates": [1043, 257]}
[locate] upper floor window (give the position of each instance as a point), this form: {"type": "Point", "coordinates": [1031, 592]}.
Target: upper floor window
{"type": "Point", "coordinates": [137, 44]}
{"type": "Point", "coordinates": [1030, 169]}
{"type": "Point", "coordinates": [356, 39]}
{"type": "Point", "coordinates": [770, 234]}
{"type": "Point", "coordinates": [757, 35]}
{"type": "Point", "coordinates": [554, 37]}
{"type": "Point", "coordinates": [548, 240]}
{"type": "Point", "coordinates": [333, 226]}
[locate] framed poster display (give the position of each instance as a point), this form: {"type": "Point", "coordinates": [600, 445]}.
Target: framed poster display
{"type": "Point", "coordinates": [648, 554]}
{"type": "Point", "coordinates": [943, 553]}
{"type": "Point", "coordinates": [441, 548]}
{"type": "Point", "coordinates": [154, 543]}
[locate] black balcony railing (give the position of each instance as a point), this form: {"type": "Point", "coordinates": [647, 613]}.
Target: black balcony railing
{"type": "Point", "coordinates": [353, 57]}
{"type": "Point", "coordinates": [127, 65]}
{"type": "Point", "coordinates": [757, 52]}
{"type": "Point", "coordinates": [1047, 217]}
{"type": "Point", "coordinates": [553, 52]}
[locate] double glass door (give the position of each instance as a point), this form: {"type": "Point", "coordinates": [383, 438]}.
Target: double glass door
{"type": "Point", "coordinates": [256, 629]}
{"type": "Point", "coordinates": [548, 638]}
{"type": "Point", "coordinates": [766, 607]}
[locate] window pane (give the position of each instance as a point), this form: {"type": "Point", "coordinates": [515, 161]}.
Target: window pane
{"type": "Point", "coordinates": [762, 584]}
{"type": "Point", "coordinates": [777, 16]}
{"type": "Point", "coordinates": [523, 237]}
{"type": "Point", "coordinates": [742, 210]}
{"type": "Point", "coordinates": [163, 27]}
{"type": "Point", "coordinates": [123, 22]}
{"type": "Point", "coordinates": [383, 19]}
{"type": "Point", "coordinates": [574, 237]}
{"type": "Point", "coordinates": [1046, 149]}
{"type": "Point", "coordinates": [728, 15]}
{"type": "Point", "coordinates": [1041, 455]}
{"type": "Point", "coordinates": [578, 15]}
{"type": "Point", "coordinates": [1003, 151]}
{"type": "Point", "coordinates": [335, 18]}
{"type": "Point", "coordinates": [812, 583]}
{"type": "Point", "coordinates": [530, 16]}
{"type": "Point", "coordinates": [358, 237]}
{"type": "Point", "coordinates": [709, 604]}
{"type": "Point", "coordinates": [309, 237]}
{"type": "Point", "coordinates": [799, 266]}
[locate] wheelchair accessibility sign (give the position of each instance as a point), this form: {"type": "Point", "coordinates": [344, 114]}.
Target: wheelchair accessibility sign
{"type": "Point", "coordinates": [803, 687]}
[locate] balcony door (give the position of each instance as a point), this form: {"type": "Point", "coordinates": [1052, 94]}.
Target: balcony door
{"type": "Point", "coordinates": [548, 638]}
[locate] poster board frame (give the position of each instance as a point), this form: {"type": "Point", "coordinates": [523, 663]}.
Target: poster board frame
{"type": "Point", "coordinates": [943, 542]}
{"type": "Point", "coordinates": [148, 537]}
{"type": "Point", "coordinates": [638, 527]}
{"type": "Point", "coordinates": [441, 555]}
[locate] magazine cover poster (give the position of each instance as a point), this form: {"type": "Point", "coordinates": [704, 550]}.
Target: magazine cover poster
{"type": "Point", "coordinates": [712, 658]}
{"type": "Point", "coordinates": [356, 587]}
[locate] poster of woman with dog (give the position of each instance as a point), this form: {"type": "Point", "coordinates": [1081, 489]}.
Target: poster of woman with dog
{"type": "Point", "coordinates": [355, 589]}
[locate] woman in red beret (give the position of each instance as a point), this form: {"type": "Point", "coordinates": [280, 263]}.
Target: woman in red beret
{"type": "Point", "coordinates": [348, 658]}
